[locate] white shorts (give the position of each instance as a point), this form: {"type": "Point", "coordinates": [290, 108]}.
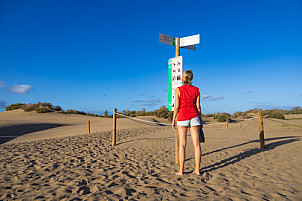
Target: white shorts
{"type": "Point", "coordinates": [189, 123]}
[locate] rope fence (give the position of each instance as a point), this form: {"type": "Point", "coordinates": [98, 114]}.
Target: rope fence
{"type": "Point", "coordinates": [158, 123]}
{"type": "Point", "coordinates": [165, 124]}
{"type": "Point", "coordinates": [283, 122]}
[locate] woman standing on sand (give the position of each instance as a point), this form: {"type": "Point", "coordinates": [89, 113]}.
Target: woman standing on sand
{"type": "Point", "coordinates": [188, 114]}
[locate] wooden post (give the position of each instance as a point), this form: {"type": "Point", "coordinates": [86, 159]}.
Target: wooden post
{"type": "Point", "coordinates": [114, 128]}
{"type": "Point", "coordinates": [261, 131]}
{"type": "Point", "coordinates": [240, 128]}
{"type": "Point", "coordinates": [226, 125]}
{"type": "Point", "coordinates": [177, 53]}
{"type": "Point", "coordinates": [88, 126]}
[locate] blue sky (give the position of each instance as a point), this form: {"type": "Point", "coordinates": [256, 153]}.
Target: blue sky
{"type": "Point", "coordinates": [99, 55]}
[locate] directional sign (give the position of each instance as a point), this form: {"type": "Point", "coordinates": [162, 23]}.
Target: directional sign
{"type": "Point", "coordinates": [190, 47]}
{"type": "Point", "coordinates": [167, 39]}
{"type": "Point", "coordinates": [190, 40]}
{"type": "Point", "coordinates": [175, 73]}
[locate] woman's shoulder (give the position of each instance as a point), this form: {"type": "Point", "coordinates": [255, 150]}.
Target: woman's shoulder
{"type": "Point", "coordinates": [195, 87]}
{"type": "Point", "coordinates": [180, 87]}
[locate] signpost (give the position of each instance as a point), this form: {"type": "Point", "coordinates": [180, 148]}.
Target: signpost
{"type": "Point", "coordinates": [176, 64]}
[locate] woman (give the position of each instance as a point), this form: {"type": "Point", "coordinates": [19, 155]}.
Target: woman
{"type": "Point", "coordinates": [188, 114]}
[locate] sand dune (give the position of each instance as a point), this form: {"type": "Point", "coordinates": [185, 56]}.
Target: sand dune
{"type": "Point", "coordinates": [76, 166]}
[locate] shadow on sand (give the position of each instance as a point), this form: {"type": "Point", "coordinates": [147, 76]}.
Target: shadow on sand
{"type": "Point", "coordinates": [8, 133]}
{"type": "Point", "coordinates": [248, 153]}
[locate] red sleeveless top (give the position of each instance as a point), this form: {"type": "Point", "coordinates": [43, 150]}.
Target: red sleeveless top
{"type": "Point", "coordinates": [187, 102]}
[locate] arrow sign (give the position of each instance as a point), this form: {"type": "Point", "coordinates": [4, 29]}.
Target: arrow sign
{"type": "Point", "coordinates": [190, 40]}
{"type": "Point", "coordinates": [190, 47]}
{"type": "Point", "coordinates": [167, 39]}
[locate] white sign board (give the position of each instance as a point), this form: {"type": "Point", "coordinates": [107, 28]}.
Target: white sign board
{"type": "Point", "coordinates": [190, 40]}
{"type": "Point", "coordinates": [167, 39]}
{"type": "Point", "coordinates": [175, 73]}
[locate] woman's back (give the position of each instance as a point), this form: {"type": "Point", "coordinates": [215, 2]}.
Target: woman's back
{"type": "Point", "coordinates": [187, 102]}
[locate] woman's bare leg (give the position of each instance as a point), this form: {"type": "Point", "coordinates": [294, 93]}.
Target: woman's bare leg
{"type": "Point", "coordinates": [182, 132]}
{"type": "Point", "coordinates": [197, 150]}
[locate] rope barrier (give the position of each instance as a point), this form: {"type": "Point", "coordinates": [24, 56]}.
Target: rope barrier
{"type": "Point", "coordinates": [171, 124]}
{"type": "Point", "coordinates": [282, 122]}
{"type": "Point", "coordinates": [143, 120]}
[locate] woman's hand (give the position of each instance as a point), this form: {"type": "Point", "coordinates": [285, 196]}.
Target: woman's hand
{"type": "Point", "coordinates": [174, 124]}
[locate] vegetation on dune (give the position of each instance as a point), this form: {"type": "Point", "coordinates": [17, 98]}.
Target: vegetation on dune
{"type": "Point", "coordinates": [162, 112]}
{"type": "Point", "coordinates": [15, 106]}
{"type": "Point", "coordinates": [222, 117]}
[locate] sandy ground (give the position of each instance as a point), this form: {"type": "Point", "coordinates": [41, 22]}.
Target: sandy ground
{"type": "Point", "coordinates": [55, 159]}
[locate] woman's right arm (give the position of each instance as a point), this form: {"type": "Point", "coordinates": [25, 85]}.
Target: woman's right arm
{"type": "Point", "coordinates": [176, 107]}
{"type": "Point", "coordinates": [199, 109]}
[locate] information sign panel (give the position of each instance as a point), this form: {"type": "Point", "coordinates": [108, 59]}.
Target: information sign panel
{"type": "Point", "coordinates": [190, 40]}
{"type": "Point", "coordinates": [175, 73]}
{"type": "Point", "coordinates": [167, 39]}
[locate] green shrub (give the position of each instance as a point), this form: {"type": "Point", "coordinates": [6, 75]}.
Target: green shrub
{"type": "Point", "coordinates": [222, 117]}
{"type": "Point", "coordinates": [276, 115]}
{"type": "Point", "coordinates": [208, 115]}
{"type": "Point", "coordinates": [71, 111]}
{"type": "Point", "coordinates": [31, 107]}
{"type": "Point", "coordinates": [15, 106]}
{"type": "Point", "coordinates": [91, 114]}
{"type": "Point", "coordinates": [42, 110]}
{"type": "Point", "coordinates": [57, 108]}
{"type": "Point", "coordinates": [62, 112]}
{"type": "Point", "coordinates": [49, 105]}
{"type": "Point", "coordinates": [296, 110]}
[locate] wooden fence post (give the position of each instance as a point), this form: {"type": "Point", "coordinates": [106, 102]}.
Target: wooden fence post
{"type": "Point", "coordinates": [226, 125]}
{"type": "Point", "coordinates": [88, 126]}
{"type": "Point", "coordinates": [261, 131]}
{"type": "Point", "coordinates": [114, 128]}
{"type": "Point", "coordinates": [176, 147]}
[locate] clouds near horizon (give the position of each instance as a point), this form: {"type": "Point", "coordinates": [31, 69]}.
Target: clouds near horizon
{"type": "Point", "coordinates": [248, 91]}
{"type": "Point", "coordinates": [148, 102]}
{"type": "Point", "coordinates": [211, 98]}
{"type": "Point", "coordinates": [2, 104]}
{"type": "Point", "coordinates": [20, 88]}
{"type": "Point", "coordinates": [2, 84]}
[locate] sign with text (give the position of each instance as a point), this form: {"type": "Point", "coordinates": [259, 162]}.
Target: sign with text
{"type": "Point", "coordinates": [190, 40]}
{"type": "Point", "coordinates": [175, 72]}
{"type": "Point", "coordinates": [167, 39]}
{"type": "Point", "coordinates": [190, 47]}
